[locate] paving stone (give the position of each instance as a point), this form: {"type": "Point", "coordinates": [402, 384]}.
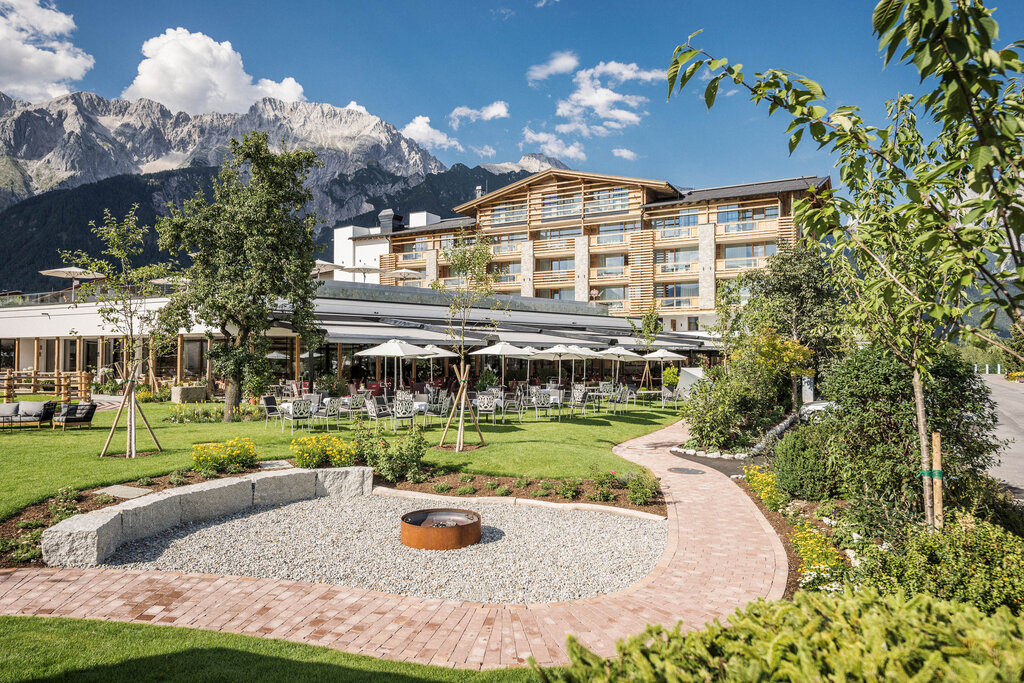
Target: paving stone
{"type": "Point", "coordinates": [273, 464]}
{"type": "Point", "coordinates": [122, 491]}
{"type": "Point", "coordinates": [344, 482]}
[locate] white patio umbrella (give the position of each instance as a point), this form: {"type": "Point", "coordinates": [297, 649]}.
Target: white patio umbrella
{"type": "Point", "coordinates": [437, 352]}
{"type": "Point", "coordinates": [276, 355]}
{"type": "Point", "coordinates": [361, 269]}
{"type": "Point", "coordinates": [405, 274]}
{"type": "Point", "coordinates": [171, 280]}
{"type": "Point", "coordinates": [322, 267]}
{"type": "Point", "coordinates": [663, 355]}
{"type": "Point", "coordinates": [527, 352]}
{"type": "Point", "coordinates": [557, 352]}
{"type": "Point", "coordinates": [73, 273]}
{"type": "Point", "coordinates": [501, 349]}
{"type": "Point", "coordinates": [619, 354]}
{"type": "Point", "coordinates": [394, 348]}
{"type": "Point", "coordinates": [583, 354]}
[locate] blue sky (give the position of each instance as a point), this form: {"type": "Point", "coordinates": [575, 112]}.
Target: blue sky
{"type": "Point", "coordinates": [403, 60]}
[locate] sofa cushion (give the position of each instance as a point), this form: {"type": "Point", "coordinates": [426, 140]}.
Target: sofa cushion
{"type": "Point", "coordinates": [17, 419]}
{"type": "Point", "coordinates": [9, 409]}
{"type": "Point", "coordinates": [32, 408]}
{"type": "Point", "coordinates": [85, 410]}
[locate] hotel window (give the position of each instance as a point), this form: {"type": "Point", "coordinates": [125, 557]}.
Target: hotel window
{"type": "Point", "coordinates": [613, 297]}
{"type": "Point", "coordinates": [609, 265]}
{"type": "Point", "coordinates": [677, 295]}
{"type": "Point", "coordinates": [686, 218]}
{"type": "Point", "coordinates": [505, 273]}
{"type": "Point", "coordinates": [509, 212]}
{"type": "Point", "coordinates": [746, 255]}
{"type": "Point", "coordinates": [693, 324]}
{"type": "Point", "coordinates": [564, 294]}
{"type": "Point", "coordinates": [735, 219]}
{"type": "Point", "coordinates": [547, 264]}
{"type": "Point", "coordinates": [502, 244]}
{"type": "Point", "coordinates": [615, 232]}
{"type": "Point", "coordinates": [608, 200]}
{"type": "Point", "coordinates": [682, 260]}
{"type": "Point", "coordinates": [555, 206]}
{"type": "Point", "coordinates": [559, 234]}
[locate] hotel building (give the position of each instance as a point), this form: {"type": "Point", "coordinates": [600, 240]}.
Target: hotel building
{"type": "Point", "coordinates": [624, 242]}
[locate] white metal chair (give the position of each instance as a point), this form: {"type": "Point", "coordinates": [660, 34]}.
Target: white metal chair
{"type": "Point", "coordinates": [543, 402]}
{"type": "Point", "coordinates": [486, 404]}
{"type": "Point", "coordinates": [328, 411]}
{"type": "Point", "coordinates": [404, 410]}
{"type": "Point", "coordinates": [302, 411]}
{"type": "Point", "coordinates": [356, 405]}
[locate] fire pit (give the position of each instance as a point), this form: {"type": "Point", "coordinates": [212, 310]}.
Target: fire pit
{"type": "Point", "coordinates": [440, 529]}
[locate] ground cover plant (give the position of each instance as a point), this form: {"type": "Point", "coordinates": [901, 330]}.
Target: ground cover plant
{"type": "Point", "coordinates": [84, 650]}
{"type": "Point", "coordinates": [852, 636]}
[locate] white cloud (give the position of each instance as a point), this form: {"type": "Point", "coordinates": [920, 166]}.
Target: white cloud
{"type": "Point", "coordinates": [486, 151]}
{"type": "Point", "coordinates": [595, 109]}
{"type": "Point", "coordinates": [563, 62]}
{"type": "Point", "coordinates": [502, 14]}
{"type": "Point", "coordinates": [731, 92]}
{"type": "Point", "coordinates": [194, 73]}
{"type": "Point", "coordinates": [542, 3]}
{"type": "Point", "coordinates": [623, 153]}
{"type": "Point", "coordinates": [494, 110]}
{"type": "Point", "coordinates": [36, 60]}
{"type": "Point", "coordinates": [553, 146]}
{"type": "Point", "coordinates": [355, 105]}
{"type": "Point", "coordinates": [420, 130]}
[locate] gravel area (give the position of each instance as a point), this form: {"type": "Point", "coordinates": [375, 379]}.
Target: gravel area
{"type": "Point", "coordinates": [526, 554]}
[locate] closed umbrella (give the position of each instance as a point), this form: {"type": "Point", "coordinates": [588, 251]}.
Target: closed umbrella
{"type": "Point", "coordinates": [663, 355]}
{"type": "Point", "coordinates": [501, 349]}
{"type": "Point", "coordinates": [393, 348]}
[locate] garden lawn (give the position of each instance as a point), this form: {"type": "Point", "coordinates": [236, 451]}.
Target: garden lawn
{"type": "Point", "coordinates": [84, 650]}
{"type": "Point", "coordinates": [35, 463]}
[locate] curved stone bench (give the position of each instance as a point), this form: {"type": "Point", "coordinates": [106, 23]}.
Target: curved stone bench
{"type": "Point", "coordinates": [86, 540]}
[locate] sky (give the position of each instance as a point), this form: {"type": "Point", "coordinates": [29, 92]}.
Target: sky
{"type": "Point", "coordinates": [475, 81]}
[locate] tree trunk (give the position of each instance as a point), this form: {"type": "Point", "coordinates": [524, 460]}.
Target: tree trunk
{"type": "Point", "coordinates": [796, 381]}
{"type": "Point", "coordinates": [232, 396]}
{"type": "Point", "coordinates": [460, 437]}
{"type": "Point", "coordinates": [922, 436]}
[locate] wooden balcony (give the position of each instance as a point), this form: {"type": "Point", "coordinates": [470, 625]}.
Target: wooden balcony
{"type": "Point", "coordinates": [669, 237]}
{"type": "Point", "coordinates": [744, 232]}
{"type": "Point", "coordinates": [506, 250]}
{"type": "Point", "coordinates": [609, 274]}
{"type": "Point", "coordinates": [411, 258]}
{"type": "Point", "coordinates": [554, 278]}
{"type": "Point", "coordinates": [609, 243]}
{"type": "Point", "coordinates": [561, 245]}
{"type": "Point", "coordinates": [738, 265]}
{"type": "Point", "coordinates": [679, 304]}
{"type": "Point", "coordinates": [506, 280]}
{"type": "Point", "coordinates": [672, 272]}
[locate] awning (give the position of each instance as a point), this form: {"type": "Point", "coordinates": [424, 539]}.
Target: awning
{"type": "Point", "coordinates": [538, 339]}
{"type": "Point", "coordinates": [375, 333]}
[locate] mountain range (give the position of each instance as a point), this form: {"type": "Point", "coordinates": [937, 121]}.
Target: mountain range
{"type": "Point", "coordinates": [63, 161]}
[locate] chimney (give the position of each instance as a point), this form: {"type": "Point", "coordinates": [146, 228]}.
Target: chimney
{"type": "Point", "coordinates": [479, 192]}
{"type": "Point", "coordinates": [389, 221]}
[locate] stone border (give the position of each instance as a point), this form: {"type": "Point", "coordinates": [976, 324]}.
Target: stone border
{"type": "Point", "coordinates": [511, 500]}
{"type": "Point", "coordinates": [86, 540]}
{"type": "Point", "coordinates": [773, 433]}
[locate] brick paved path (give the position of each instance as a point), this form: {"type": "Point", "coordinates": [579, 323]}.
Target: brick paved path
{"type": "Point", "coordinates": [721, 553]}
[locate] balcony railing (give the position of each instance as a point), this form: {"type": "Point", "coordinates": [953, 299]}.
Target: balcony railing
{"type": "Point", "coordinates": [676, 268]}
{"type": "Point", "coordinates": [412, 283]}
{"type": "Point", "coordinates": [453, 281]}
{"type": "Point", "coordinates": [504, 248]}
{"type": "Point", "coordinates": [506, 278]}
{"type": "Point", "coordinates": [613, 305]}
{"type": "Point", "coordinates": [678, 303]}
{"type": "Point", "coordinates": [559, 244]}
{"type": "Point", "coordinates": [745, 263]}
{"type": "Point", "coordinates": [553, 276]}
{"type": "Point", "coordinates": [609, 272]}
{"type": "Point", "coordinates": [677, 233]}
{"type": "Point", "coordinates": [411, 257]}
{"type": "Point", "coordinates": [746, 227]}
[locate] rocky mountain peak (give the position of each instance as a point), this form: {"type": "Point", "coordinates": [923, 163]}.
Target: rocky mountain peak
{"type": "Point", "coordinates": [531, 163]}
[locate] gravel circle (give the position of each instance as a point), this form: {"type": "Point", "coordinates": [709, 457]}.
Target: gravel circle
{"type": "Point", "coordinates": [526, 554]}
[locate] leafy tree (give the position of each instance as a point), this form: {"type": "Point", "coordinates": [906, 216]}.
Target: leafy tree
{"type": "Point", "coordinates": [469, 259]}
{"type": "Point", "coordinates": [927, 219]}
{"type": "Point", "coordinates": [646, 332]}
{"type": "Point", "coordinates": [122, 298]}
{"type": "Point", "coordinates": [252, 252]}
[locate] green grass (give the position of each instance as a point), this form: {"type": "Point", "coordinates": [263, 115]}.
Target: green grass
{"type": "Point", "coordinates": [40, 649]}
{"type": "Point", "coordinates": [36, 463]}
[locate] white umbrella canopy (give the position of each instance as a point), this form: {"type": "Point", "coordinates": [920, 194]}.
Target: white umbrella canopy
{"type": "Point", "coordinates": [501, 349]}
{"type": "Point", "coordinates": [663, 355]}
{"type": "Point", "coordinates": [405, 274]}
{"type": "Point", "coordinates": [558, 352]}
{"type": "Point", "coordinates": [528, 353]}
{"type": "Point", "coordinates": [394, 348]}
{"type": "Point", "coordinates": [322, 267]}
{"type": "Point", "coordinates": [583, 354]}
{"type": "Point", "coordinates": [437, 352]}
{"type": "Point", "coordinates": [72, 273]}
{"type": "Point", "coordinates": [172, 280]}
{"type": "Point", "coordinates": [361, 269]}
{"type": "Point", "coordinates": [619, 354]}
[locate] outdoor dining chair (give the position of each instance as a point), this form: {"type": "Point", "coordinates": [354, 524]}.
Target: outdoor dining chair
{"type": "Point", "coordinates": [578, 400]}
{"type": "Point", "coordinates": [270, 409]}
{"type": "Point", "coordinates": [542, 401]}
{"type": "Point", "coordinates": [326, 412]}
{"type": "Point", "coordinates": [440, 410]}
{"type": "Point", "coordinates": [404, 410]}
{"type": "Point", "coordinates": [376, 411]}
{"type": "Point", "coordinates": [512, 403]}
{"type": "Point", "coordinates": [619, 400]}
{"type": "Point", "coordinates": [301, 412]}
{"type": "Point", "coordinates": [356, 404]}
{"type": "Point", "coordinates": [486, 404]}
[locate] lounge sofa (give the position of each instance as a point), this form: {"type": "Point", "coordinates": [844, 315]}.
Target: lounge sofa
{"type": "Point", "coordinates": [79, 414]}
{"type": "Point", "coordinates": [28, 413]}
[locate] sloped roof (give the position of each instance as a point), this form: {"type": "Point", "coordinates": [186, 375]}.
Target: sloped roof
{"type": "Point", "coordinates": [445, 224]}
{"type": "Point", "coordinates": [660, 185]}
{"type": "Point", "coordinates": [744, 190]}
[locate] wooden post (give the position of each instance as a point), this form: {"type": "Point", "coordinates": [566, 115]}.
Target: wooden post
{"type": "Point", "coordinates": [298, 359]}
{"type": "Point", "coordinates": [124, 357]}
{"type": "Point", "coordinates": [79, 353]}
{"type": "Point", "coordinates": [86, 393]}
{"type": "Point", "coordinates": [376, 373]}
{"type": "Point", "coordinates": [35, 367]}
{"type": "Point", "coordinates": [179, 364]}
{"type": "Point", "coordinates": [8, 387]}
{"type": "Point", "coordinates": [101, 353]}
{"type": "Point", "coordinates": [152, 367]}
{"type": "Point", "coordinates": [413, 370]}
{"type": "Point", "coordinates": [937, 478]}
{"type": "Point", "coordinates": [17, 354]}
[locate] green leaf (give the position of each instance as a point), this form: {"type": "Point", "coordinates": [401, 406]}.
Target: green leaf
{"type": "Point", "coordinates": [794, 139]}
{"type": "Point", "coordinates": [980, 156]}
{"type": "Point", "coordinates": [695, 33]}
{"type": "Point", "coordinates": [711, 91]}
{"type": "Point", "coordinates": [813, 87]}
{"type": "Point", "coordinates": [885, 15]}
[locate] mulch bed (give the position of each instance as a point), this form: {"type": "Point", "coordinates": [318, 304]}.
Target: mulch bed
{"type": "Point", "coordinates": [785, 532]}
{"type": "Point", "coordinates": [480, 481]}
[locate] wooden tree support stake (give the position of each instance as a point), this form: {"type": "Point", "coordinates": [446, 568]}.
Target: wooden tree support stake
{"type": "Point", "coordinates": [937, 478]}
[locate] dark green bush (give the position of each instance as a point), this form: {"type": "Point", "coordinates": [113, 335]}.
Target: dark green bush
{"type": "Point", "coordinates": [803, 465]}
{"type": "Point", "coordinates": [968, 560]}
{"type": "Point", "coordinates": [569, 489]}
{"type": "Point", "coordinates": [850, 637]}
{"type": "Point", "coordinates": [642, 488]}
{"type": "Point", "coordinates": [401, 458]}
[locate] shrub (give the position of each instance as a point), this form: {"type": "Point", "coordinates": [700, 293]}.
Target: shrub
{"type": "Point", "coordinates": [569, 489]}
{"type": "Point", "coordinates": [104, 499]}
{"type": "Point", "coordinates": [442, 487]}
{"type": "Point", "coordinates": [540, 493]}
{"type": "Point", "coordinates": [670, 377]}
{"type": "Point", "coordinates": [968, 560]}
{"type": "Point", "coordinates": [710, 410]}
{"type": "Point", "coordinates": [502, 491]}
{"type": "Point", "coordinates": [143, 395]}
{"type": "Point", "coordinates": [323, 450]}
{"type": "Point", "coordinates": [603, 478]}
{"type": "Point", "coordinates": [762, 481]}
{"type": "Point", "coordinates": [64, 504]}
{"type": "Point", "coordinates": [217, 457]}
{"type": "Point", "coordinates": [603, 493]}
{"type": "Point", "coordinates": [521, 482]}
{"type": "Point", "coordinates": [546, 486]}
{"type": "Point", "coordinates": [803, 465]}
{"type": "Point", "coordinates": [849, 636]}
{"type": "Point", "coordinates": [177, 478]}
{"type": "Point", "coordinates": [144, 481]}
{"type": "Point", "coordinates": [641, 489]}
{"type": "Point", "coordinates": [465, 490]}
{"type": "Point", "coordinates": [487, 379]}
{"type": "Point", "coordinates": [465, 477]}
{"type": "Point", "coordinates": [401, 458]}
{"type": "Point", "coordinates": [189, 413]}
{"type": "Point", "coordinates": [821, 564]}
{"type": "Point", "coordinates": [31, 524]}
{"type": "Point", "coordinates": [491, 485]}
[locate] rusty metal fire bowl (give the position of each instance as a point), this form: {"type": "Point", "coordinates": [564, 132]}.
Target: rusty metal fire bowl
{"type": "Point", "coordinates": [440, 529]}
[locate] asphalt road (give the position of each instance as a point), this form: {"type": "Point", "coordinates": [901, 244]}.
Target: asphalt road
{"type": "Point", "coordinates": [1009, 397]}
